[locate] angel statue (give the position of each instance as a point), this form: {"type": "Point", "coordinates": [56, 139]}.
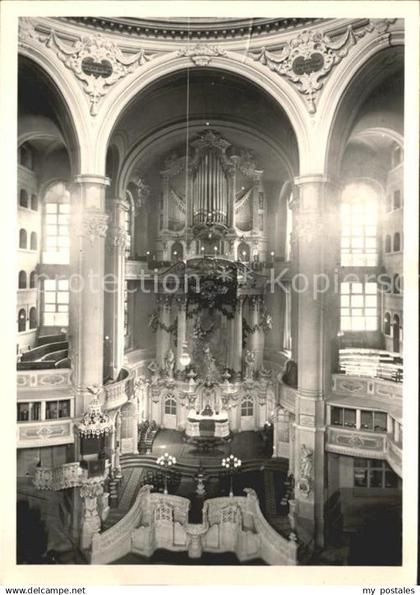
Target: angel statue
{"type": "Point", "coordinates": [170, 363]}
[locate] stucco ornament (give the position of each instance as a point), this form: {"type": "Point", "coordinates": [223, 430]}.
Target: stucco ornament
{"type": "Point", "coordinates": [98, 62]}
{"type": "Point", "coordinates": [307, 59]}
{"type": "Point", "coordinates": [201, 54]}
{"type": "Point", "coordinates": [306, 470]}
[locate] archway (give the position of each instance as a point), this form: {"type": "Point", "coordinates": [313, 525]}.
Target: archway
{"type": "Point", "coordinates": [129, 428]}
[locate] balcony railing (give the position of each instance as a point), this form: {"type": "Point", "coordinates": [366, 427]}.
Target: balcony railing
{"type": "Point", "coordinates": [117, 393]}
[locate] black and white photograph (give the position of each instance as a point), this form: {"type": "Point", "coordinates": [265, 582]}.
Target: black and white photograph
{"type": "Point", "coordinates": [209, 289]}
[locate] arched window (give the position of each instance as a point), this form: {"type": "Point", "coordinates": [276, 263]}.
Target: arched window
{"type": "Point", "coordinates": [396, 284]}
{"type": "Point", "coordinates": [33, 318]}
{"type": "Point", "coordinates": [396, 328]}
{"type": "Point", "coordinates": [397, 199]}
{"type": "Point", "coordinates": [177, 251]}
{"type": "Point", "coordinates": [128, 223]}
{"type": "Point", "coordinates": [56, 242]}
{"type": "Point", "coordinates": [23, 239]}
{"type": "Point", "coordinates": [388, 244]}
{"type": "Point", "coordinates": [243, 252]}
{"type": "Point", "coordinates": [359, 214]}
{"type": "Point", "coordinates": [170, 406]}
{"type": "Point", "coordinates": [22, 284]}
{"type": "Point", "coordinates": [397, 242]}
{"type": "Point", "coordinates": [34, 202]}
{"type": "Point", "coordinates": [21, 320]}
{"type": "Point", "coordinates": [23, 198]}
{"type": "Point", "coordinates": [387, 324]}
{"type": "Point", "coordinates": [32, 280]}
{"type": "Point", "coordinates": [34, 241]}
{"type": "Point", "coordinates": [247, 408]}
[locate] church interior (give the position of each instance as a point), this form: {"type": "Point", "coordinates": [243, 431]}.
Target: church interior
{"type": "Point", "coordinates": [209, 312]}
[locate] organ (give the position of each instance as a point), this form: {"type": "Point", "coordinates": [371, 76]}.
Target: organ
{"type": "Point", "coordinates": [212, 200]}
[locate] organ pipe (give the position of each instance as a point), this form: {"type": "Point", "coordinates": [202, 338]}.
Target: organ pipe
{"type": "Point", "coordinates": [210, 190]}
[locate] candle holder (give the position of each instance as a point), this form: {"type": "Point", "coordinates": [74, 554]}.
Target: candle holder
{"type": "Point", "coordinates": [166, 461]}
{"type": "Point", "coordinates": [232, 464]}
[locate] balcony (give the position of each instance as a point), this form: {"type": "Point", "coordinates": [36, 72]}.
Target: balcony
{"type": "Point", "coordinates": [117, 393]}
{"type": "Point", "coordinates": [45, 379]}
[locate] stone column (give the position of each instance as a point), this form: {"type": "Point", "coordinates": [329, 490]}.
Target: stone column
{"type": "Point", "coordinates": [114, 289]}
{"type": "Point", "coordinates": [237, 354]}
{"type": "Point", "coordinates": [181, 330]}
{"type": "Point", "coordinates": [86, 324]}
{"type": "Point", "coordinates": [317, 250]}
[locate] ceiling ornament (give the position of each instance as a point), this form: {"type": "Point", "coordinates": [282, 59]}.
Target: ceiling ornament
{"type": "Point", "coordinates": [308, 58]}
{"type": "Point", "coordinates": [98, 62]}
{"type": "Point", "coordinates": [201, 54]}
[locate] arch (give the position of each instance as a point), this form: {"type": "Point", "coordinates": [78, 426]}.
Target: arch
{"type": "Point", "coordinates": [23, 198]}
{"type": "Point", "coordinates": [285, 96]}
{"type": "Point", "coordinates": [21, 320]}
{"type": "Point", "coordinates": [349, 85]}
{"type": "Point", "coordinates": [34, 241]}
{"type": "Point", "coordinates": [244, 252]}
{"type": "Point", "coordinates": [387, 324]}
{"type": "Point", "coordinates": [32, 280]}
{"type": "Point", "coordinates": [397, 242]}
{"type": "Point", "coordinates": [388, 244]}
{"type": "Point", "coordinates": [22, 281]}
{"type": "Point", "coordinates": [72, 100]}
{"type": "Point", "coordinates": [34, 202]}
{"type": "Point", "coordinates": [23, 239]}
{"type": "Point", "coordinates": [33, 318]}
{"type": "Point", "coordinates": [177, 251]}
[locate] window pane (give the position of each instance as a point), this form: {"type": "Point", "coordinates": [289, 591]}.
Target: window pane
{"type": "Point", "coordinates": [360, 478]}
{"type": "Point", "coordinates": [376, 479]}
{"type": "Point", "coordinates": [63, 284]}
{"type": "Point", "coordinates": [51, 208]}
{"type": "Point", "coordinates": [49, 297]}
{"type": "Point", "coordinates": [371, 287]}
{"type": "Point", "coordinates": [367, 420]}
{"type": "Point", "coordinates": [350, 418]}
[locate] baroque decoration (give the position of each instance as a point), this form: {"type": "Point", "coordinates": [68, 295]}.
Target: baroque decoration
{"type": "Point", "coordinates": [201, 54]}
{"type": "Point", "coordinates": [310, 57]}
{"type": "Point", "coordinates": [95, 422]}
{"type": "Point", "coordinates": [94, 226]}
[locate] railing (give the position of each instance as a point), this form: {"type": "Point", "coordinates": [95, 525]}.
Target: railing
{"type": "Point", "coordinates": [161, 521]}
{"type": "Point", "coordinates": [65, 476]}
{"type": "Point", "coordinates": [53, 432]}
{"type": "Point", "coordinates": [46, 379]}
{"type": "Point", "coordinates": [288, 396]}
{"type": "Point", "coordinates": [359, 443]}
{"type": "Point", "coordinates": [358, 385]}
{"type": "Point", "coordinates": [118, 393]}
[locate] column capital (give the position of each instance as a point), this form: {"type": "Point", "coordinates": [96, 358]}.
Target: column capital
{"type": "Point", "coordinates": [92, 179]}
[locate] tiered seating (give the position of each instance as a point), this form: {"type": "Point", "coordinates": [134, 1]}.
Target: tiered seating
{"type": "Point", "coordinates": [147, 434]}
{"type": "Point", "coordinates": [51, 352]}
{"type": "Point", "coordinates": [373, 363]}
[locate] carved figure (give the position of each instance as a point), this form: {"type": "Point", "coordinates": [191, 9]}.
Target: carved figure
{"type": "Point", "coordinates": [249, 364]}
{"type": "Point", "coordinates": [306, 462]}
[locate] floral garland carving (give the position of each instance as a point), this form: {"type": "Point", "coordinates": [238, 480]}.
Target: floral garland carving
{"type": "Point", "coordinates": [201, 54]}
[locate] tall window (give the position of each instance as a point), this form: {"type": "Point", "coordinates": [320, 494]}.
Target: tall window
{"type": "Point", "coordinates": [388, 244]}
{"type": "Point", "coordinates": [21, 320]}
{"type": "Point", "coordinates": [56, 302]}
{"type": "Point", "coordinates": [358, 226]}
{"type": "Point", "coordinates": [32, 280]}
{"type": "Point", "coordinates": [33, 318]}
{"type": "Point", "coordinates": [23, 239]}
{"type": "Point", "coordinates": [22, 280]}
{"type": "Point", "coordinates": [397, 242]}
{"type": "Point", "coordinates": [397, 199]}
{"type": "Point", "coordinates": [57, 213]}
{"type": "Point", "coordinates": [358, 306]}
{"type": "Point", "coordinates": [23, 198]}
{"type": "Point", "coordinates": [387, 323]}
